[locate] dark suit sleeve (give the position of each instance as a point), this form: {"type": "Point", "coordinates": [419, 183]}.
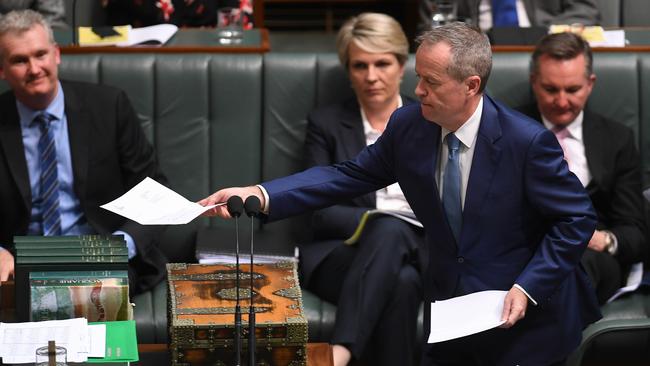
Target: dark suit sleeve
{"type": "Point", "coordinates": [577, 11]}
{"type": "Point", "coordinates": [624, 211]}
{"type": "Point", "coordinates": [559, 197]}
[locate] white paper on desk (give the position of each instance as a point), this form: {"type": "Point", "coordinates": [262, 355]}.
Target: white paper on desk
{"type": "Point", "coordinates": [19, 341]}
{"type": "Point", "coordinates": [151, 203]}
{"type": "Point", "coordinates": [634, 279]}
{"type": "Point", "coordinates": [465, 315]}
{"type": "Point", "coordinates": [97, 335]}
{"type": "Point", "coordinates": [154, 34]}
{"type": "Point", "coordinates": [613, 38]}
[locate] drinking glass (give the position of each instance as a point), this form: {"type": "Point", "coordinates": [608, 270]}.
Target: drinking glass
{"type": "Point", "coordinates": [230, 28]}
{"type": "Point", "coordinates": [444, 12]}
{"type": "Point", "coordinates": [43, 358]}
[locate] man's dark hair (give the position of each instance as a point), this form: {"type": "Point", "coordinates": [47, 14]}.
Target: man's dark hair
{"type": "Point", "coordinates": [562, 46]}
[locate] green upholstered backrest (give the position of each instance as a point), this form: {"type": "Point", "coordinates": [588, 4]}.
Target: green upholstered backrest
{"type": "Point", "coordinates": [202, 113]}
{"type": "Point", "coordinates": [221, 120]}
{"type": "Point", "coordinates": [294, 85]}
{"type": "Point", "coordinates": [644, 115]}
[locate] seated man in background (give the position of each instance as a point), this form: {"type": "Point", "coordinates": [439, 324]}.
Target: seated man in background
{"type": "Point", "coordinates": [600, 152]}
{"type": "Point", "coordinates": [517, 13]}
{"type": "Point", "coordinates": [386, 263]}
{"type": "Point", "coordinates": [65, 149]}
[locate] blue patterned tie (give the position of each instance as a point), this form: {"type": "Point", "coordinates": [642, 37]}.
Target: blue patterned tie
{"type": "Point", "coordinates": [451, 187]}
{"type": "Point", "coordinates": [49, 195]}
{"type": "Point", "coordinates": [504, 13]}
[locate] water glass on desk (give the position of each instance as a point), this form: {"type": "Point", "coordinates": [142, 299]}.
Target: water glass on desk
{"type": "Point", "coordinates": [444, 12]}
{"type": "Point", "coordinates": [43, 356]}
{"type": "Point", "coordinates": [230, 28]}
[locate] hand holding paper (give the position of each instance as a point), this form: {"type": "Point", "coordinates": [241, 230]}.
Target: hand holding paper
{"type": "Point", "coordinates": [151, 203]}
{"type": "Point", "coordinates": [465, 315]}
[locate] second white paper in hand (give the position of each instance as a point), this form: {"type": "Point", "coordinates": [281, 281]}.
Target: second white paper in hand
{"type": "Point", "coordinates": [466, 315]}
{"type": "Point", "coordinates": [151, 203]}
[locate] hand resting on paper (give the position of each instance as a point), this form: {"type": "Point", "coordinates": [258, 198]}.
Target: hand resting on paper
{"type": "Point", "coordinates": [223, 195]}
{"type": "Point", "coordinates": [514, 307]}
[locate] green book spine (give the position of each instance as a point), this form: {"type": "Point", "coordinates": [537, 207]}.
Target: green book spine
{"type": "Point", "coordinates": [61, 252]}
{"type": "Point", "coordinates": [73, 259]}
{"type": "Point", "coordinates": [85, 281]}
{"type": "Point", "coordinates": [70, 244]}
{"type": "Point", "coordinates": [78, 274]}
{"type": "Point", "coordinates": [93, 237]}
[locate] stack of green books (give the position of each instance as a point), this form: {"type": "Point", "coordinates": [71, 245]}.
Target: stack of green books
{"type": "Point", "coordinates": [70, 249]}
{"type": "Point", "coordinates": [63, 253]}
{"type": "Point", "coordinates": [95, 295]}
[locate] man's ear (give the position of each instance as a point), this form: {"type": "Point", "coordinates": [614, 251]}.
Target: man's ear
{"type": "Point", "coordinates": [473, 84]}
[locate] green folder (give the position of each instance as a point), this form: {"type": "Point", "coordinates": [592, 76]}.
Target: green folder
{"type": "Point", "coordinates": [121, 342]}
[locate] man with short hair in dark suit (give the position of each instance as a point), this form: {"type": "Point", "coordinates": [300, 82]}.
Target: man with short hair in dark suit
{"type": "Point", "coordinates": [87, 135]}
{"type": "Point", "coordinates": [600, 152]}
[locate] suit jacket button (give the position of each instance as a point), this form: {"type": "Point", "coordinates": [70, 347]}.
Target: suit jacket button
{"type": "Point", "coordinates": [461, 259]}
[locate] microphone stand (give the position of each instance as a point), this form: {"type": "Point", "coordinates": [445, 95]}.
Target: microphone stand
{"type": "Point", "coordinates": [235, 206]}
{"type": "Point", "coordinates": [237, 307]}
{"type": "Point", "coordinates": [252, 207]}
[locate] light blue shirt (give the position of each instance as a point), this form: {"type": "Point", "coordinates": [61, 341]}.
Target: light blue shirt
{"type": "Point", "coordinates": [73, 221]}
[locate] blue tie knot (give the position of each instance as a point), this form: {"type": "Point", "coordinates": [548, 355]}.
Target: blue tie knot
{"type": "Point", "coordinates": [453, 143]}
{"type": "Point", "coordinates": [43, 121]}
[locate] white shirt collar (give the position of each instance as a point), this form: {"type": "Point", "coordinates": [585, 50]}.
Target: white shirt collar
{"type": "Point", "coordinates": [367, 128]}
{"type": "Point", "coordinates": [574, 128]}
{"type": "Point", "coordinates": [468, 130]}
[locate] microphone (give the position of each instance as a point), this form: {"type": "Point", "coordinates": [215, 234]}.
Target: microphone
{"type": "Point", "coordinates": [235, 207]}
{"type": "Point", "coordinates": [252, 207]}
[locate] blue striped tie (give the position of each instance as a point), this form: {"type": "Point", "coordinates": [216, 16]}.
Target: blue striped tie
{"type": "Point", "coordinates": [451, 187]}
{"type": "Point", "coordinates": [49, 195]}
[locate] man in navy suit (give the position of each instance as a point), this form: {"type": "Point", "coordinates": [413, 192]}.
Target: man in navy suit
{"type": "Point", "coordinates": [522, 220]}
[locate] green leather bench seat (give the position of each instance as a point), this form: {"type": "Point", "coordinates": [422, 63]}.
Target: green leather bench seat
{"type": "Point", "coordinates": [220, 120]}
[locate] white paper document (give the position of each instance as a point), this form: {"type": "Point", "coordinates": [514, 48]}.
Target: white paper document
{"type": "Point", "coordinates": [633, 281]}
{"type": "Point", "coordinates": [97, 337]}
{"type": "Point", "coordinates": [465, 315]}
{"type": "Point", "coordinates": [613, 38]}
{"type": "Point", "coordinates": [19, 341]}
{"type": "Point", "coordinates": [151, 203]}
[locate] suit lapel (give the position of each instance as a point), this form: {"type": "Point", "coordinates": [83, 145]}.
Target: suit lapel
{"type": "Point", "coordinates": [352, 133]}
{"type": "Point", "coordinates": [484, 165]}
{"type": "Point", "coordinates": [11, 142]}
{"type": "Point", "coordinates": [352, 138]}
{"type": "Point", "coordinates": [593, 136]}
{"type": "Point", "coordinates": [79, 135]}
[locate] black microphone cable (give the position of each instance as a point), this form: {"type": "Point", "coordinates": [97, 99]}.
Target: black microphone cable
{"type": "Point", "coordinates": [252, 207]}
{"type": "Point", "coordinates": [235, 207]}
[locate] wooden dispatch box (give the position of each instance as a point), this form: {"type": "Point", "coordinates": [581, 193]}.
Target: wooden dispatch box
{"type": "Point", "coordinates": [201, 305]}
